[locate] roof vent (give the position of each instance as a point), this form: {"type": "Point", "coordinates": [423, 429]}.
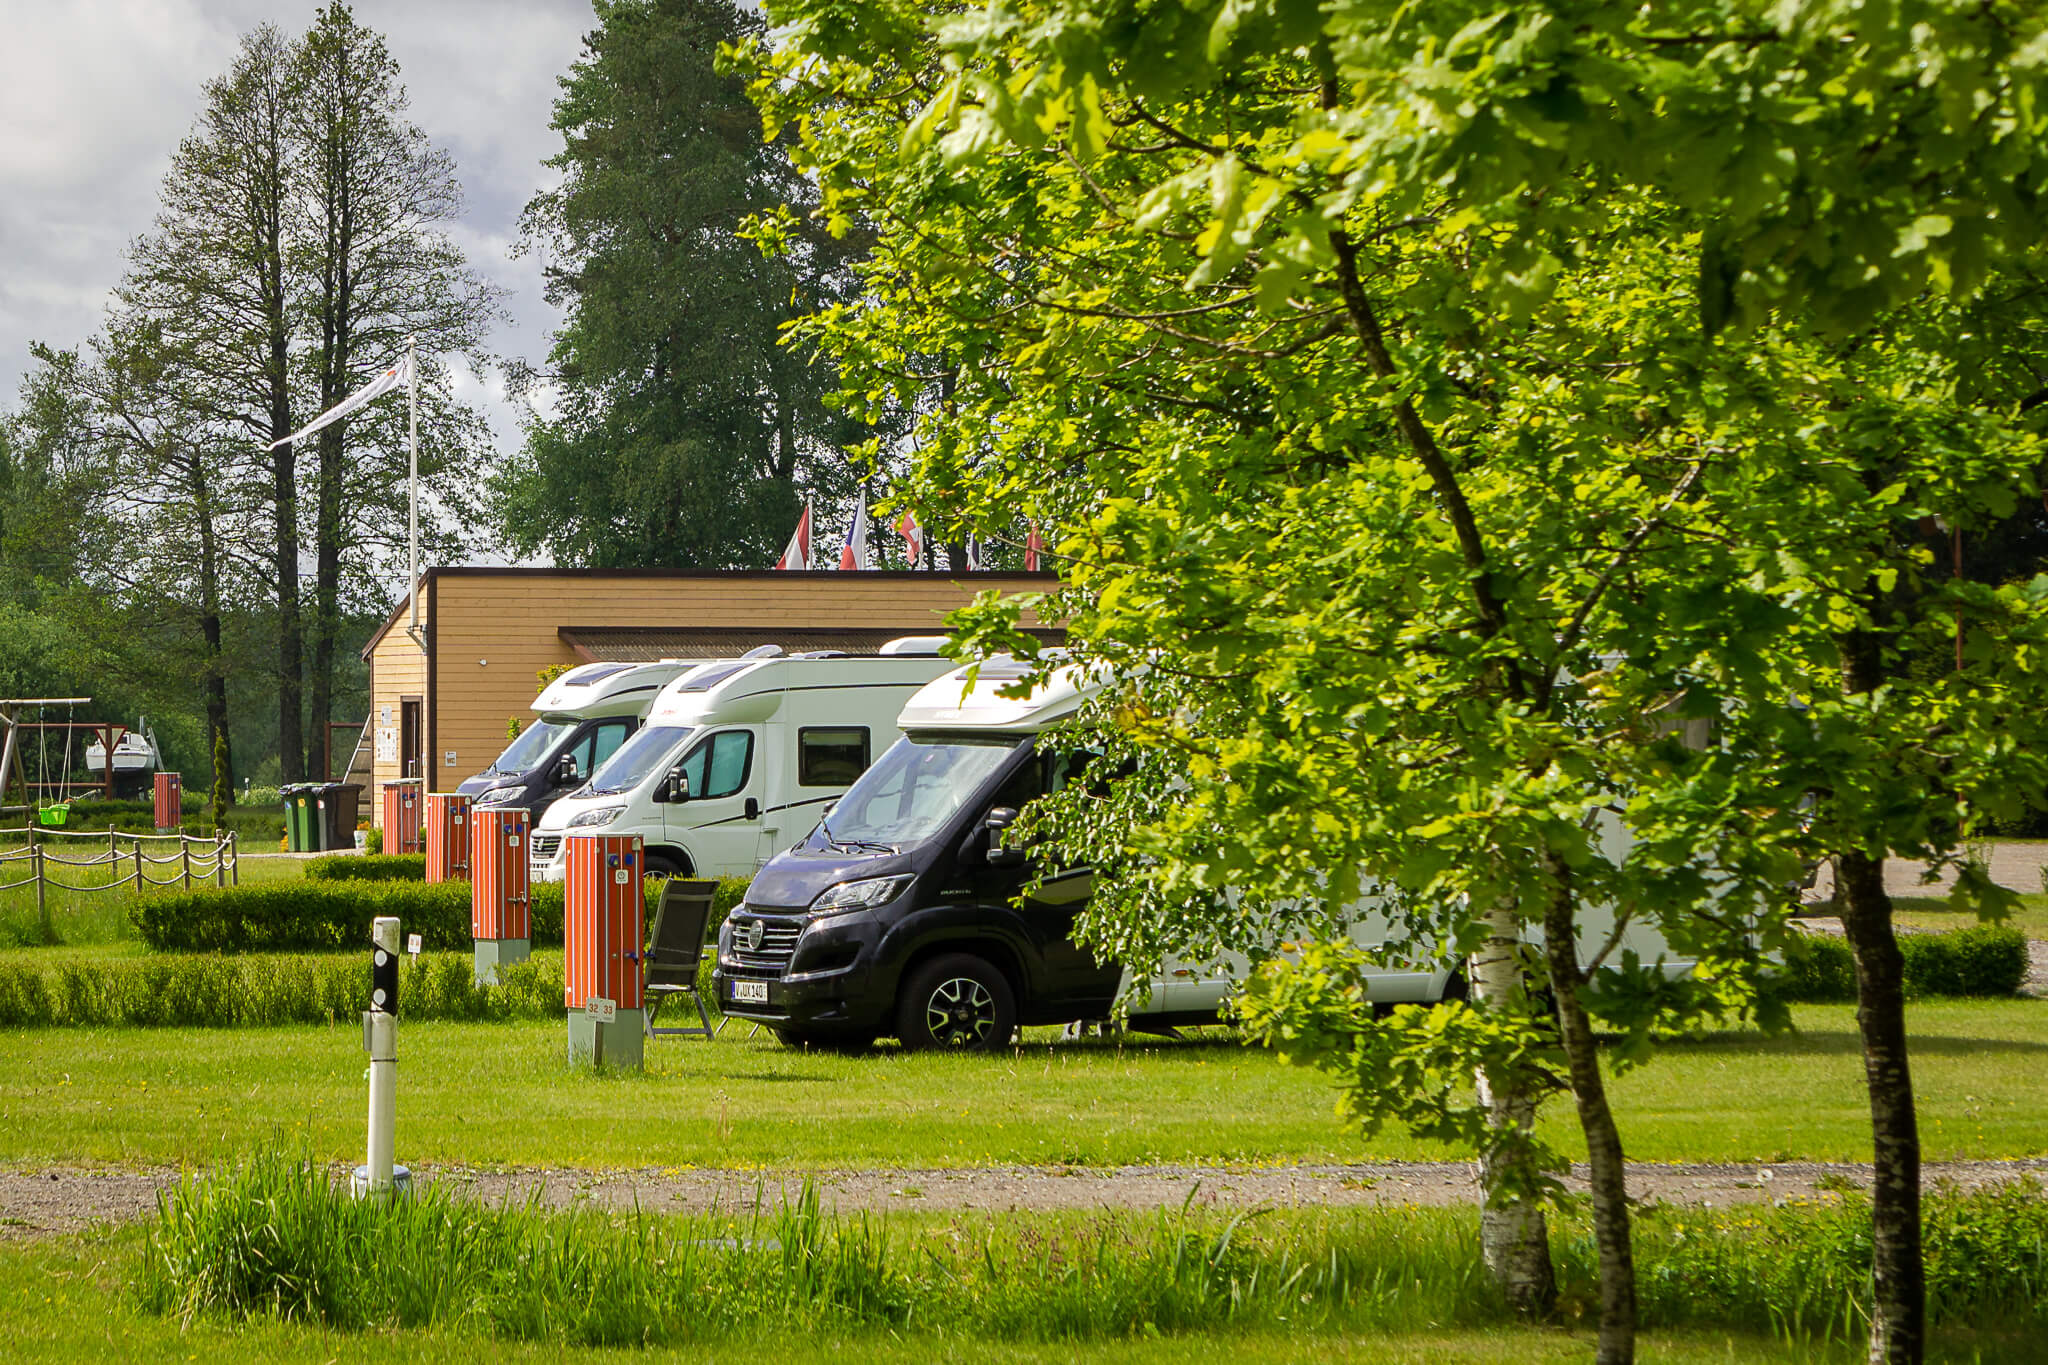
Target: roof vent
{"type": "Point", "coordinates": [913, 644]}
{"type": "Point", "coordinates": [763, 652]}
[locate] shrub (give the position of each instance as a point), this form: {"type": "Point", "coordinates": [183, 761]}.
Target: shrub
{"type": "Point", "coordinates": [1984, 959]}
{"type": "Point", "coordinates": [206, 991]}
{"type": "Point", "coordinates": [373, 840]}
{"type": "Point", "coordinates": [383, 867]}
{"type": "Point", "coordinates": [325, 912]}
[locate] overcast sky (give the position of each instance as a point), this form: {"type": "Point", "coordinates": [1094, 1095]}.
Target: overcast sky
{"type": "Point", "coordinates": [95, 94]}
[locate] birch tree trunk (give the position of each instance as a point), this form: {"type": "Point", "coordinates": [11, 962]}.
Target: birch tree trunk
{"type": "Point", "coordinates": [1514, 1236]}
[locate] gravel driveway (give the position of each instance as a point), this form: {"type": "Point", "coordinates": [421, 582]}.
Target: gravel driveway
{"type": "Point", "coordinates": [58, 1200]}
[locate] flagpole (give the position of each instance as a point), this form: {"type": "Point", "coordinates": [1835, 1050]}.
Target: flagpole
{"type": "Point", "coordinates": [412, 403]}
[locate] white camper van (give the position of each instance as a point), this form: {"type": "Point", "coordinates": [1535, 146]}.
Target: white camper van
{"type": "Point", "coordinates": [580, 720]}
{"type": "Point", "coordinates": [739, 756]}
{"type": "Point", "coordinates": [900, 913]}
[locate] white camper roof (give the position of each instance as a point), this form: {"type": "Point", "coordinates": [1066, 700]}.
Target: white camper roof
{"type": "Point", "coordinates": [952, 704]}
{"type": "Point", "coordinates": [607, 689]}
{"type": "Point", "coordinates": [742, 690]}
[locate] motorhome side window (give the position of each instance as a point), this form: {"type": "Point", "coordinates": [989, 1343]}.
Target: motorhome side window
{"type": "Point", "coordinates": [718, 766]}
{"type": "Point", "coordinates": [610, 736]}
{"type": "Point", "coordinates": [831, 756]}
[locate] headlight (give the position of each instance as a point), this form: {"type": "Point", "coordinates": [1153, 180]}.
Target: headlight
{"type": "Point", "coordinates": [603, 815]}
{"type": "Point", "coordinates": [863, 895]}
{"type": "Point", "coordinates": [498, 796]}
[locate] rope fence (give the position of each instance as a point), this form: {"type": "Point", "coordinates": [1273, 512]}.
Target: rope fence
{"type": "Point", "coordinates": [217, 860]}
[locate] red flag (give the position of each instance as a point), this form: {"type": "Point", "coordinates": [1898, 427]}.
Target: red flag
{"type": "Point", "coordinates": [913, 538]}
{"type": "Point", "coordinates": [853, 554]}
{"type": "Point", "coordinates": [798, 553]}
{"type": "Point", "coordinates": [1034, 546]}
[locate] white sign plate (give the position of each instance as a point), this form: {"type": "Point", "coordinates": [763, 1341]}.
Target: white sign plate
{"type": "Point", "coordinates": [621, 876]}
{"type": "Point", "coordinates": [412, 944]}
{"type": "Point", "coordinates": [448, 759]}
{"type": "Point", "coordinates": [750, 992]}
{"type": "Point", "coordinates": [511, 841]}
{"type": "Point", "coordinates": [601, 1009]}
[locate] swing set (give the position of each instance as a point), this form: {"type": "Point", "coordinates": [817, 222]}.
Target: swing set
{"type": "Point", "coordinates": [36, 799]}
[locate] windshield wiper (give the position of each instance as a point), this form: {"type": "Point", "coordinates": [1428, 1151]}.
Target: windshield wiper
{"type": "Point", "coordinates": [869, 845]}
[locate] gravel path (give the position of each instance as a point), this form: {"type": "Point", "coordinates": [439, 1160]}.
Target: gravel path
{"type": "Point", "coordinates": [65, 1199]}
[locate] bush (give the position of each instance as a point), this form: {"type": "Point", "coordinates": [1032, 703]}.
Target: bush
{"type": "Point", "coordinates": [329, 913]}
{"type": "Point", "coordinates": [205, 991]}
{"type": "Point", "coordinates": [382, 867]}
{"type": "Point", "coordinates": [1984, 959]}
{"type": "Point", "coordinates": [373, 840]}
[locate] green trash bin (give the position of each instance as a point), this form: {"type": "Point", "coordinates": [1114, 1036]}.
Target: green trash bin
{"type": "Point", "coordinates": [301, 817]}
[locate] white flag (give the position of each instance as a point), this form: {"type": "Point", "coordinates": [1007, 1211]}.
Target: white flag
{"type": "Point", "coordinates": [384, 383]}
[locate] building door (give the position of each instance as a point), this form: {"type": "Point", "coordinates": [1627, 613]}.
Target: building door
{"type": "Point", "coordinates": [409, 746]}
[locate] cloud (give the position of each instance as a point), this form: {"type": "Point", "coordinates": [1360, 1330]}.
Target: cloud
{"type": "Point", "coordinates": [95, 94]}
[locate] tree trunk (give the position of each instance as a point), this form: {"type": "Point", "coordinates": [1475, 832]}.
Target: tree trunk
{"type": "Point", "coordinates": [326, 595]}
{"type": "Point", "coordinates": [1898, 1317]}
{"type": "Point", "coordinates": [1898, 1310]}
{"type": "Point", "coordinates": [217, 741]}
{"type": "Point", "coordinates": [1617, 1344]}
{"type": "Point", "coordinates": [1514, 1236]}
{"type": "Point", "coordinates": [284, 463]}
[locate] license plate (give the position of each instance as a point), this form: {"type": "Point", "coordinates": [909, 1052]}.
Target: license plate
{"type": "Point", "coordinates": [750, 992]}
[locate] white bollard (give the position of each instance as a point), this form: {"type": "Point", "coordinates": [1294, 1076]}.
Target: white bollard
{"type": "Point", "coordinates": [379, 1176]}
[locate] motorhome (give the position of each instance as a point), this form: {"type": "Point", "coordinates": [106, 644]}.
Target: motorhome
{"type": "Point", "coordinates": [905, 914]}
{"type": "Point", "coordinates": [580, 720]}
{"type": "Point", "coordinates": [738, 756]}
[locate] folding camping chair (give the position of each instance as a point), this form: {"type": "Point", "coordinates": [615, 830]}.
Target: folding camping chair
{"type": "Point", "coordinates": [678, 946]}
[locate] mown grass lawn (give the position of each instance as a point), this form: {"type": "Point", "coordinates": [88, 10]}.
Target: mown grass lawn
{"type": "Point", "coordinates": [97, 920]}
{"type": "Point", "coordinates": [502, 1094]}
{"type": "Point", "coordinates": [1922, 912]}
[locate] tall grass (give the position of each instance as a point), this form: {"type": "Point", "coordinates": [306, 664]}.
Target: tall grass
{"type": "Point", "coordinates": [272, 1238]}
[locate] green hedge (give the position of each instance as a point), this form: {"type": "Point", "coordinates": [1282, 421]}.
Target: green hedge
{"type": "Point", "coordinates": [368, 867]}
{"type": "Point", "coordinates": [281, 916]}
{"type": "Point", "coordinates": [1985, 959]}
{"type": "Point", "coordinates": [207, 991]}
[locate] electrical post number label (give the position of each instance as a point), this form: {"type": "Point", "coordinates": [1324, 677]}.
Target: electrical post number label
{"type": "Point", "coordinates": [601, 1009]}
{"type": "Point", "coordinates": [750, 992]}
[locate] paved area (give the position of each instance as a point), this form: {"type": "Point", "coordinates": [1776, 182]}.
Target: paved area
{"type": "Point", "coordinates": [2015, 863]}
{"type": "Point", "coordinates": [66, 1199]}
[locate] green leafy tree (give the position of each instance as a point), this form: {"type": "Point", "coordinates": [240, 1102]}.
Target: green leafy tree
{"type": "Point", "coordinates": [1443, 406]}
{"type": "Point", "coordinates": [685, 434]}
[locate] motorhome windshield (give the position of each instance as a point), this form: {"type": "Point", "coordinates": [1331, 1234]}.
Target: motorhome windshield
{"type": "Point", "coordinates": [636, 759]}
{"type": "Point", "coordinates": [914, 789]}
{"type": "Point", "coordinates": [525, 753]}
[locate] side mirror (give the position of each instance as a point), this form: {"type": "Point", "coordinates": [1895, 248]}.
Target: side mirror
{"type": "Point", "coordinates": [565, 771]}
{"type": "Point", "coordinates": [675, 788]}
{"type": "Point", "coordinates": [995, 823]}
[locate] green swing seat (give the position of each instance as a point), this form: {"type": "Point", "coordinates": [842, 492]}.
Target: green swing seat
{"type": "Point", "coordinates": [59, 814]}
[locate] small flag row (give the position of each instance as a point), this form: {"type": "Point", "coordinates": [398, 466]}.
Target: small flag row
{"type": "Point", "coordinates": [853, 550]}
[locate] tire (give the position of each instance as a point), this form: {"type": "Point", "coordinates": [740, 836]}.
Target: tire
{"type": "Point", "coordinates": [957, 1002]}
{"type": "Point", "coordinates": [661, 865]}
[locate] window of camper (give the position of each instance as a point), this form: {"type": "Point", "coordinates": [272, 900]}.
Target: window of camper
{"type": "Point", "coordinates": [831, 756]}
{"type": "Point", "coordinates": [718, 766]}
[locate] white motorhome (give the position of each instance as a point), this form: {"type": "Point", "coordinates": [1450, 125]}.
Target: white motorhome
{"type": "Point", "coordinates": [903, 912]}
{"type": "Point", "coordinates": [739, 756]}
{"type": "Point", "coordinates": [579, 721]}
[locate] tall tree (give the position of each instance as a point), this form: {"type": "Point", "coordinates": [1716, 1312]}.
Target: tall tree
{"type": "Point", "coordinates": [1466, 390]}
{"type": "Point", "coordinates": [373, 201]}
{"type": "Point", "coordinates": [686, 434]}
{"type": "Point", "coordinates": [213, 281]}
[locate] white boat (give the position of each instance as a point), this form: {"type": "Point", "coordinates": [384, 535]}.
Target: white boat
{"type": "Point", "coordinates": [136, 758]}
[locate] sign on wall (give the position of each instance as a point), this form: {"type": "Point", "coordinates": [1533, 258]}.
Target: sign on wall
{"type": "Point", "coordinates": [387, 741]}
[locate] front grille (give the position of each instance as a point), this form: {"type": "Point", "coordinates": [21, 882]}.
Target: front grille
{"type": "Point", "coordinates": [544, 846]}
{"type": "Point", "coordinates": [778, 944]}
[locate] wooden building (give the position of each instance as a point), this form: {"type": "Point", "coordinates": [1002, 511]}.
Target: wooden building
{"type": "Point", "coordinates": [439, 704]}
